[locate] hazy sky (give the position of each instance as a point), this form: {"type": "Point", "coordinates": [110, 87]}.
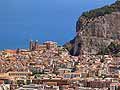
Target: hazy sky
{"type": "Point", "coordinates": [22, 20]}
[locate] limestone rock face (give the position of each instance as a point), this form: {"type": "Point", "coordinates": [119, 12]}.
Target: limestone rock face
{"type": "Point", "coordinates": [95, 34]}
{"type": "Point", "coordinates": [96, 30]}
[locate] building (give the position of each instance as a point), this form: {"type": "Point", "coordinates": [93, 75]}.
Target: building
{"type": "Point", "coordinates": [50, 44]}
{"type": "Point", "coordinates": [19, 75]}
{"type": "Point", "coordinates": [38, 87]}
{"type": "Point", "coordinates": [96, 83]}
{"type": "Point", "coordinates": [72, 75]}
{"type": "Point", "coordinates": [115, 86]}
{"type": "Point", "coordinates": [16, 75]}
{"type": "Point", "coordinates": [5, 87]}
{"type": "Point", "coordinates": [33, 45]}
{"type": "Point", "coordinates": [46, 45]}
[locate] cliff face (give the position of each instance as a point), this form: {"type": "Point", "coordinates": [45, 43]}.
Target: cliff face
{"type": "Point", "coordinates": [95, 33]}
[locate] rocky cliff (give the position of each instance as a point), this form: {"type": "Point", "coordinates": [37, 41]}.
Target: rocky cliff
{"type": "Point", "coordinates": [96, 30]}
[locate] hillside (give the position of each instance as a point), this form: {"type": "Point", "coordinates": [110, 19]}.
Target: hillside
{"type": "Point", "coordinates": [96, 30]}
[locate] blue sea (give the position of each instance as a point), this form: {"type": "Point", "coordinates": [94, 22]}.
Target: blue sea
{"type": "Point", "coordinates": [23, 20]}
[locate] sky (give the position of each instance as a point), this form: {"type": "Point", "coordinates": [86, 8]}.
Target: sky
{"type": "Point", "coordinates": [43, 20]}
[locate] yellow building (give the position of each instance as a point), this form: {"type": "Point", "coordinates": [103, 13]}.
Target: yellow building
{"type": "Point", "coordinates": [16, 75]}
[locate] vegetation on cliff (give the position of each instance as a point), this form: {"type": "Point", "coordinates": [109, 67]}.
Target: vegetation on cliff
{"type": "Point", "coordinates": [102, 11]}
{"type": "Point", "coordinates": [70, 46]}
{"type": "Point", "coordinates": [113, 49]}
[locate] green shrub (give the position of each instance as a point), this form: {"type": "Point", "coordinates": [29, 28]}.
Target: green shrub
{"type": "Point", "coordinates": [102, 11]}
{"type": "Point", "coordinates": [113, 49]}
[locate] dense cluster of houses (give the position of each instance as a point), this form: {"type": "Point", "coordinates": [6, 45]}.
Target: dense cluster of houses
{"type": "Point", "coordinates": [48, 66]}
